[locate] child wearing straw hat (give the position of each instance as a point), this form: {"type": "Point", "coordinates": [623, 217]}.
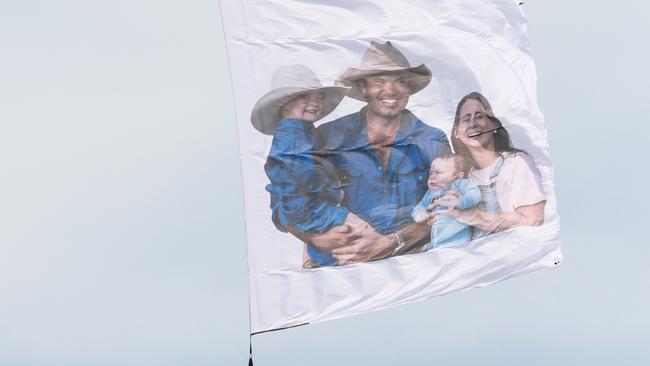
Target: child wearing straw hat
{"type": "Point", "coordinates": [304, 188]}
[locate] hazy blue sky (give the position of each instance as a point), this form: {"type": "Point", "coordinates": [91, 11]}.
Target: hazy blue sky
{"type": "Point", "coordinates": [121, 223]}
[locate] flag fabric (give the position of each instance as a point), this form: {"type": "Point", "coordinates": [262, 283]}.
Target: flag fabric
{"type": "Point", "coordinates": [390, 152]}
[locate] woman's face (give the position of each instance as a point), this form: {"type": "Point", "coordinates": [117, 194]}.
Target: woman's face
{"type": "Point", "coordinates": [473, 121]}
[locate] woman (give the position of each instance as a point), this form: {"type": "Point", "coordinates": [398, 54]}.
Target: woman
{"type": "Point", "coordinates": [510, 184]}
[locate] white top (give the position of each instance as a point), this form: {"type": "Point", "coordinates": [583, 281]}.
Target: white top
{"type": "Point", "coordinates": [518, 184]}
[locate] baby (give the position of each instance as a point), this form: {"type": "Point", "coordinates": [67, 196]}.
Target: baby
{"type": "Point", "coordinates": [304, 188]}
{"type": "Point", "coordinates": [447, 175]}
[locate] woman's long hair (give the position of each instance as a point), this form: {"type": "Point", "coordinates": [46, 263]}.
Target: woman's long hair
{"type": "Point", "coordinates": [502, 142]}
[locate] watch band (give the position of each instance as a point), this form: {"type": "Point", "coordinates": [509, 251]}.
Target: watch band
{"type": "Point", "coordinates": [400, 244]}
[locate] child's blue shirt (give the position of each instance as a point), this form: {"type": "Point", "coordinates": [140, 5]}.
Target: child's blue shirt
{"type": "Point", "coordinates": [304, 188]}
{"type": "Point", "coordinates": [447, 230]}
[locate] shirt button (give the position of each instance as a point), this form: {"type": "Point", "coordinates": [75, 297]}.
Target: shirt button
{"type": "Point", "coordinates": [380, 168]}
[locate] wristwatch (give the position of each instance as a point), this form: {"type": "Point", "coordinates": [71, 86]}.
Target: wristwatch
{"type": "Point", "coordinates": [399, 244]}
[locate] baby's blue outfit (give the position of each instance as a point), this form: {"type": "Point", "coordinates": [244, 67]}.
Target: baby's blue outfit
{"type": "Point", "coordinates": [304, 188]}
{"type": "Point", "coordinates": [447, 230]}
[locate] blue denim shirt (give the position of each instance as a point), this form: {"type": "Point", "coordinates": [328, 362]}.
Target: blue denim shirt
{"type": "Point", "coordinates": [382, 197]}
{"type": "Point", "coordinates": [304, 187]}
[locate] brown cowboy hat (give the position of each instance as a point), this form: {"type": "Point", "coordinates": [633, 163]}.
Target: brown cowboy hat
{"type": "Point", "coordinates": [382, 59]}
{"type": "Point", "coordinates": [288, 82]}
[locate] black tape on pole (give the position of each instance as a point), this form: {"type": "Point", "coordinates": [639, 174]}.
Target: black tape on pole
{"type": "Point", "coordinates": [250, 351]}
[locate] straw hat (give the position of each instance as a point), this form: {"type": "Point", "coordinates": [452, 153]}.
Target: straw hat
{"type": "Point", "coordinates": [288, 82]}
{"type": "Point", "coordinates": [380, 59]}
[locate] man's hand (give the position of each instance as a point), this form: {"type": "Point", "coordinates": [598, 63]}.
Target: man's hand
{"type": "Point", "coordinates": [372, 246]}
{"type": "Point", "coordinates": [344, 235]}
{"type": "Point", "coordinates": [336, 237]}
{"type": "Point", "coordinates": [356, 241]}
{"type": "Point", "coordinates": [353, 241]}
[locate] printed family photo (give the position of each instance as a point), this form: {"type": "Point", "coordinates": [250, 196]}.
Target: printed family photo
{"type": "Point", "coordinates": [381, 182]}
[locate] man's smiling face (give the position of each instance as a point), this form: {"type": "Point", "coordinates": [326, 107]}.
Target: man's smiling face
{"type": "Point", "coordinates": [386, 94]}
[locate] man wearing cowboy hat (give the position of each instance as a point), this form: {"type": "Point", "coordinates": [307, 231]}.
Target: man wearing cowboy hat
{"type": "Point", "coordinates": [382, 153]}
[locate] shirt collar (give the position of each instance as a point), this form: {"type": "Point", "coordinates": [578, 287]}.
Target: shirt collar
{"type": "Point", "coordinates": [403, 134]}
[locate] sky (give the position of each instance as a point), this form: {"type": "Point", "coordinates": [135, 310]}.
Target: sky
{"type": "Point", "coordinates": [121, 220]}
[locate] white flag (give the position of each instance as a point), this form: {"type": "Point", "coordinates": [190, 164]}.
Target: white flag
{"type": "Point", "coordinates": [391, 151]}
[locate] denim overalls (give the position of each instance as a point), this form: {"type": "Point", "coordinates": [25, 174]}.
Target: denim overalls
{"type": "Point", "coordinates": [489, 202]}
